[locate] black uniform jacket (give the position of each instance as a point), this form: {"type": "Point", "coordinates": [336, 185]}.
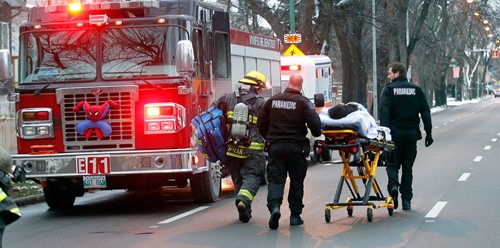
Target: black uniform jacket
{"type": "Point", "coordinates": [400, 106]}
{"type": "Point", "coordinates": [285, 115]}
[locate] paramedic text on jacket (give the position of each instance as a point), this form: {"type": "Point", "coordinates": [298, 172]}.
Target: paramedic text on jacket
{"type": "Point", "coordinates": [245, 146]}
{"type": "Point", "coordinates": [284, 122]}
{"type": "Point", "coordinates": [401, 104]}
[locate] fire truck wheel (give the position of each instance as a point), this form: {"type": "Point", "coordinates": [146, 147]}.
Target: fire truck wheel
{"type": "Point", "coordinates": [58, 197]}
{"type": "Point", "coordinates": [206, 186]}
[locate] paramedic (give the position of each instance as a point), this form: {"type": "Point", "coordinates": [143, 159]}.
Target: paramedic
{"type": "Point", "coordinates": [283, 123]}
{"type": "Point", "coordinates": [401, 104]}
{"type": "Point", "coordinates": [245, 156]}
{"type": "Point", "coordinates": [9, 212]}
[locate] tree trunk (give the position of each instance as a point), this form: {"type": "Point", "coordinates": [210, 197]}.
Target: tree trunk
{"type": "Point", "coordinates": [348, 24]}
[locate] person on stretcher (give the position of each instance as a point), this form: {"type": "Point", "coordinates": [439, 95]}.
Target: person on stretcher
{"type": "Point", "coordinates": [353, 116]}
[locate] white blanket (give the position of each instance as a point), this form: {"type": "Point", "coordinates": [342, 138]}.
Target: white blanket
{"type": "Point", "coordinates": [361, 121]}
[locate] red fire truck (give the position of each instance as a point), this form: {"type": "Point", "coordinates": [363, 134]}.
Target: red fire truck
{"type": "Point", "coordinates": [107, 90]}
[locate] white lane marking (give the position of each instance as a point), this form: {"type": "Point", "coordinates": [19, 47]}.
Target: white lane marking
{"type": "Point", "coordinates": [464, 177]}
{"type": "Point", "coordinates": [498, 134]}
{"type": "Point", "coordinates": [153, 226]}
{"type": "Point", "coordinates": [487, 147]}
{"type": "Point", "coordinates": [430, 221]}
{"type": "Point", "coordinates": [478, 158]}
{"type": "Point", "coordinates": [444, 124]}
{"type": "Point", "coordinates": [494, 140]}
{"type": "Point", "coordinates": [436, 209]}
{"type": "Point", "coordinates": [180, 216]}
{"type": "Point", "coordinates": [436, 127]}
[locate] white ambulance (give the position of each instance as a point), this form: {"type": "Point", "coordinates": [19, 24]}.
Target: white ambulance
{"type": "Point", "coordinates": [316, 70]}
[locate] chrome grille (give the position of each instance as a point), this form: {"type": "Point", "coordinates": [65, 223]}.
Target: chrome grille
{"type": "Point", "coordinates": [122, 120]}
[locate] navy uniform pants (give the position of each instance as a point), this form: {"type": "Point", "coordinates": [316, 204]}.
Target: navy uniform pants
{"type": "Point", "coordinates": [247, 175]}
{"type": "Point", "coordinates": [286, 158]}
{"type": "Point", "coordinates": [405, 154]}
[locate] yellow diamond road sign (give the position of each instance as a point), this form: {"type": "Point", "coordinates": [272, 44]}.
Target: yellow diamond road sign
{"type": "Point", "coordinates": [293, 50]}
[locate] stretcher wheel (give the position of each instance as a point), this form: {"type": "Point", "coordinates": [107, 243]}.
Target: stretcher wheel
{"type": "Point", "coordinates": [328, 215]}
{"type": "Point", "coordinates": [349, 210]}
{"type": "Point", "coordinates": [391, 211]}
{"type": "Point", "coordinates": [369, 214]}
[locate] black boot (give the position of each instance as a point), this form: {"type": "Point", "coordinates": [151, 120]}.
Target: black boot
{"type": "Point", "coordinates": [243, 211]}
{"type": "Point", "coordinates": [295, 220]}
{"type": "Point", "coordinates": [274, 220]}
{"type": "Point", "coordinates": [406, 205]}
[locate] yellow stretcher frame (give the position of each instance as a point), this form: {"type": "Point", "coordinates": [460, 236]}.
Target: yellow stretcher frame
{"type": "Point", "coordinates": [365, 154]}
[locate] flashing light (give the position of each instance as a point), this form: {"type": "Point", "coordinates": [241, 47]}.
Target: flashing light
{"type": "Point", "coordinates": [80, 24]}
{"type": "Point", "coordinates": [37, 26]}
{"type": "Point", "coordinates": [74, 8]}
{"type": "Point", "coordinates": [495, 53]}
{"type": "Point", "coordinates": [152, 111]}
{"type": "Point", "coordinates": [161, 20]}
{"type": "Point", "coordinates": [164, 118]}
{"type": "Point", "coordinates": [291, 67]}
{"type": "Point", "coordinates": [194, 159]}
{"type": "Point", "coordinates": [118, 23]}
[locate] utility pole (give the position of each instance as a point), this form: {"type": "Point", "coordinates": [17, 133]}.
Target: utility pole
{"type": "Point", "coordinates": [292, 16]}
{"type": "Point", "coordinates": [374, 65]}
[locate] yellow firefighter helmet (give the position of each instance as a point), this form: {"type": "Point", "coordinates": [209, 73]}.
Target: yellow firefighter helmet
{"type": "Point", "coordinates": [5, 161]}
{"type": "Point", "coordinates": [254, 78]}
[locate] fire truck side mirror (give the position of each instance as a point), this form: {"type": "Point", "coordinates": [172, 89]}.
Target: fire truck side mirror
{"type": "Point", "coordinates": [319, 100]}
{"type": "Point", "coordinates": [184, 57]}
{"type": "Point", "coordinates": [6, 82]}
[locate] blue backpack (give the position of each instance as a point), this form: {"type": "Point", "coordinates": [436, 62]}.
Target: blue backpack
{"type": "Point", "coordinates": [208, 129]}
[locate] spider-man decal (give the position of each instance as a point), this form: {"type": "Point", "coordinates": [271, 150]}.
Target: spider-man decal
{"type": "Point", "coordinates": [95, 114]}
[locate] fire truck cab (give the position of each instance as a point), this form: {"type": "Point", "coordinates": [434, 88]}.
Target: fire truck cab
{"type": "Point", "coordinates": [107, 90]}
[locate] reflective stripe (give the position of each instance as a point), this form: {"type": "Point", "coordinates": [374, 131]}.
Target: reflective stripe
{"type": "Point", "coordinates": [246, 193]}
{"type": "Point", "coordinates": [256, 146]}
{"type": "Point", "coordinates": [15, 211]}
{"type": "Point", "coordinates": [236, 155]}
{"type": "Point", "coordinates": [253, 119]}
{"type": "Point", "coordinates": [2, 195]}
{"type": "Point", "coordinates": [253, 146]}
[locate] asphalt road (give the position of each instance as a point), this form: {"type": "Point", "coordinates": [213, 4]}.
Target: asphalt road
{"type": "Point", "coordinates": [455, 205]}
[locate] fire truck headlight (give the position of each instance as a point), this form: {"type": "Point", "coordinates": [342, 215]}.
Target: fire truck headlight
{"type": "Point", "coordinates": [167, 125]}
{"type": "Point", "coordinates": [29, 131]}
{"type": "Point", "coordinates": [35, 123]}
{"type": "Point", "coordinates": [154, 126]}
{"type": "Point", "coordinates": [43, 130]}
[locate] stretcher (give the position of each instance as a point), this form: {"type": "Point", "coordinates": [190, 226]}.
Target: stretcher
{"type": "Point", "coordinates": [363, 155]}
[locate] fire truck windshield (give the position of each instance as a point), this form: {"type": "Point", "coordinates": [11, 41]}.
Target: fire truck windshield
{"type": "Point", "coordinates": [124, 53]}
{"type": "Point", "coordinates": [67, 55]}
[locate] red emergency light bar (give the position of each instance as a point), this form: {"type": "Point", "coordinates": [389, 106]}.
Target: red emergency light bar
{"type": "Point", "coordinates": [73, 5]}
{"type": "Point", "coordinates": [290, 67]}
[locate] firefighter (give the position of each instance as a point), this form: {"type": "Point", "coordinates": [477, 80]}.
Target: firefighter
{"type": "Point", "coordinates": [401, 104]}
{"type": "Point", "coordinates": [9, 210]}
{"type": "Point", "coordinates": [245, 156]}
{"type": "Point", "coordinates": [283, 124]}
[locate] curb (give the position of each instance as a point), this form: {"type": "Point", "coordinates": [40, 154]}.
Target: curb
{"type": "Point", "coordinates": [28, 200]}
